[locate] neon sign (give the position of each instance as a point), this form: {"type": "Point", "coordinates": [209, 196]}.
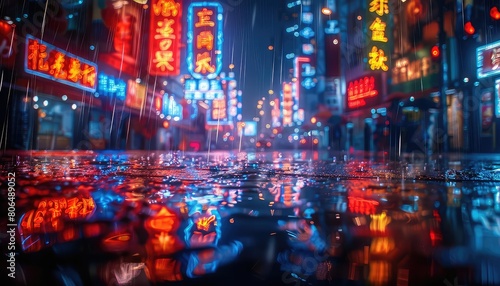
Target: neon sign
{"type": "Point", "coordinates": [136, 95]}
{"type": "Point", "coordinates": [360, 91]}
{"type": "Point", "coordinates": [202, 89]}
{"type": "Point", "coordinates": [287, 104]}
{"type": "Point", "coordinates": [218, 111]}
{"type": "Point", "coordinates": [165, 31]}
{"type": "Point", "coordinates": [110, 86]}
{"type": "Point", "coordinates": [378, 48]}
{"type": "Point", "coordinates": [171, 107]}
{"type": "Point", "coordinates": [44, 60]}
{"type": "Point", "coordinates": [204, 39]}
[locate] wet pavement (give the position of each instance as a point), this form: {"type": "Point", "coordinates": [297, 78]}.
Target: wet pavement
{"type": "Point", "coordinates": [274, 218]}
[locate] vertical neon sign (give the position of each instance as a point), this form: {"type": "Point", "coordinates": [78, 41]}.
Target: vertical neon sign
{"type": "Point", "coordinates": [287, 104]}
{"type": "Point", "coordinates": [378, 43]}
{"type": "Point", "coordinates": [204, 39]}
{"type": "Point", "coordinates": [165, 31]}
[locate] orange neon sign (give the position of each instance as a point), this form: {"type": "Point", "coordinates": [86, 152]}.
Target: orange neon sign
{"type": "Point", "coordinates": [47, 61]}
{"type": "Point", "coordinates": [165, 36]}
{"type": "Point", "coordinates": [219, 109]}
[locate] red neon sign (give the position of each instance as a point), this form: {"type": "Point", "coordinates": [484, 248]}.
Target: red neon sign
{"type": "Point", "coordinates": [52, 63]}
{"type": "Point", "coordinates": [358, 91]}
{"type": "Point", "coordinates": [287, 104]}
{"type": "Point", "coordinates": [165, 33]}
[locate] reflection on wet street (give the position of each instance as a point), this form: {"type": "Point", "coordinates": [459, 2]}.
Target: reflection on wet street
{"type": "Point", "coordinates": [250, 219]}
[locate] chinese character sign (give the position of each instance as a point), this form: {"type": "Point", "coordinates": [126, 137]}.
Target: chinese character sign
{"type": "Point", "coordinates": [363, 91]}
{"type": "Point", "coordinates": [204, 39]}
{"type": "Point", "coordinates": [165, 31]}
{"type": "Point", "coordinates": [111, 86]}
{"type": "Point", "coordinates": [379, 32]}
{"type": "Point", "coordinates": [218, 111]}
{"type": "Point", "coordinates": [44, 60]}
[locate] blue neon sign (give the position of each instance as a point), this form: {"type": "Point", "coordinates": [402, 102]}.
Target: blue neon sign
{"type": "Point", "coordinates": [110, 86]}
{"type": "Point", "coordinates": [204, 20]}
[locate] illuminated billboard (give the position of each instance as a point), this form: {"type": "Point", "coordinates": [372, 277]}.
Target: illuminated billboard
{"type": "Point", "coordinates": [204, 39]}
{"type": "Point", "coordinates": [165, 31]}
{"type": "Point", "coordinates": [44, 60]}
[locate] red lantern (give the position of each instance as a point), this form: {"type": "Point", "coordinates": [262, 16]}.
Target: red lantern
{"type": "Point", "coordinates": [469, 29]}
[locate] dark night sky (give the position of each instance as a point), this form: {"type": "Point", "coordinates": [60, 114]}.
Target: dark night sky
{"type": "Point", "coordinates": [250, 27]}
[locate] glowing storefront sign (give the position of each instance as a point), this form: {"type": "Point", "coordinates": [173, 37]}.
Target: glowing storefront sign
{"type": "Point", "coordinates": [44, 60]}
{"type": "Point", "coordinates": [488, 60]}
{"type": "Point", "coordinates": [201, 89]}
{"type": "Point", "coordinates": [378, 48]}
{"type": "Point", "coordinates": [136, 95]}
{"type": "Point", "coordinates": [361, 91]}
{"type": "Point", "coordinates": [165, 34]}
{"type": "Point", "coordinates": [111, 86]}
{"type": "Point", "coordinates": [204, 39]}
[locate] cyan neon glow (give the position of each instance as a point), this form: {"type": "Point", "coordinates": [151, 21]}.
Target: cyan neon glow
{"type": "Point", "coordinates": [493, 68]}
{"type": "Point", "coordinates": [171, 107]}
{"type": "Point", "coordinates": [110, 86]}
{"type": "Point", "coordinates": [217, 8]}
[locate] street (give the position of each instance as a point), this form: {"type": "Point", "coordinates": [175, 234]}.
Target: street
{"type": "Point", "coordinates": [237, 218]}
